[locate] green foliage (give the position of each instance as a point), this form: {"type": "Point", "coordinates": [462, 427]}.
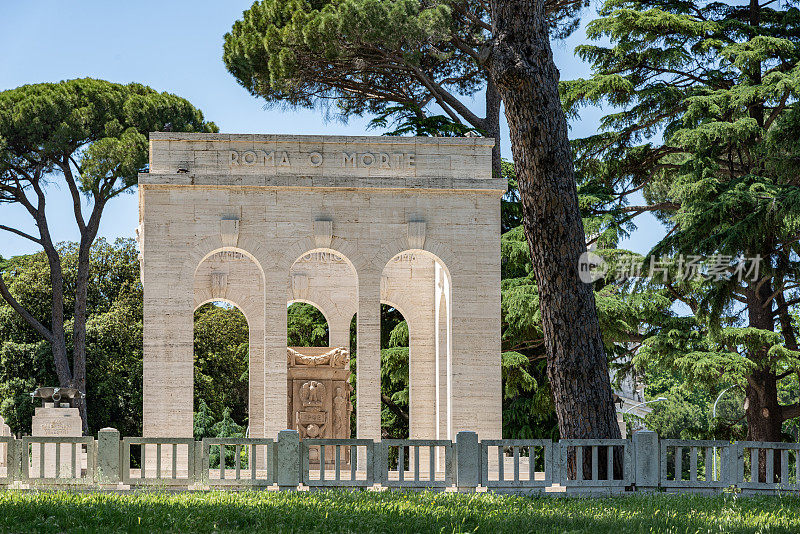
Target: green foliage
{"type": "Point", "coordinates": [307, 326]}
{"type": "Point", "coordinates": [113, 336]}
{"type": "Point", "coordinates": [226, 427]}
{"type": "Point", "coordinates": [705, 130]}
{"type": "Point", "coordinates": [203, 421]}
{"type": "Point", "coordinates": [221, 359]}
{"type": "Point", "coordinates": [103, 126]}
{"type": "Point", "coordinates": [304, 53]}
{"type": "Point", "coordinates": [394, 384]}
{"type": "Point", "coordinates": [91, 134]}
{"type": "Point", "coordinates": [411, 120]}
{"type": "Point", "coordinates": [394, 373]}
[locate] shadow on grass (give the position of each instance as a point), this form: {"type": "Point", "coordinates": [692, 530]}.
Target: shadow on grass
{"type": "Point", "coordinates": [345, 511]}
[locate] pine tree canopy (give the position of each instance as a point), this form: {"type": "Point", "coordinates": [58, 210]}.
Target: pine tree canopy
{"type": "Point", "coordinates": [705, 128]}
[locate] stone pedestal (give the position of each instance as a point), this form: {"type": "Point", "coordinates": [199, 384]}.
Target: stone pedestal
{"type": "Point", "coordinates": [319, 396]}
{"type": "Point", "coordinates": [52, 420]}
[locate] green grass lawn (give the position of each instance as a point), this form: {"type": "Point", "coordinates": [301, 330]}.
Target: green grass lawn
{"type": "Point", "coordinates": [343, 511]}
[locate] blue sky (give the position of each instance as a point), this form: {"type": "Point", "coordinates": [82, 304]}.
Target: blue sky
{"type": "Point", "coordinates": [175, 46]}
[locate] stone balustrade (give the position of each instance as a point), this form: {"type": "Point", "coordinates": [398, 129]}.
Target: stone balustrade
{"type": "Point", "coordinates": [537, 466]}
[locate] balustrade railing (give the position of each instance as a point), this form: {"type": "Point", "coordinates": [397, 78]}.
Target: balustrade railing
{"type": "Point", "coordinates": [8, 460]}
{"type": "Point", "coordinates": [767, 466]}
{"type": "Point", "coordinates": [595, 463]}
{"type": "Point", "coordinates": [334, 462]}
{"type": "Point", "coordinates": [517, 463]}
{"type": "Point", "coordinates": [162, 461]}
{"type": "Point", "coordinates": [252, 462]}
{"type": "Point", "coordinates": [416, 463]}
{"type": "Point", "coordinates": [57, 460]}
{"type": "Point", "coordinates": [643, 463]}
{"type": "Point", "coordinates": [698, 464]}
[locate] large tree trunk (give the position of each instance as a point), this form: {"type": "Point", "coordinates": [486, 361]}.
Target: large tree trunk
{"type": "Point", "coordinates": [764, 414]}
{"type": "Point", "coordinates": [521, 63]}
{"type": "Point", "coordinates": [79, 329]}
{"type": "Point", "coordinates": [58, 344]}
{"type": "Point", "coordinates": [492, 127]}
{"type": "Point", "coordinates": [88, 235]}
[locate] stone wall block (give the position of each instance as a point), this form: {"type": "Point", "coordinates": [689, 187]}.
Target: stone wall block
{"type": "Point", "coordinates": [323, 233]}
{"type": "Point", "coordinates": [416, 234]}
{"type": "Point", "coordinates": [229, 231]}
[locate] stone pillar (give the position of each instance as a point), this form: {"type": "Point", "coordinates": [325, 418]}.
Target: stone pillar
{"type": "Point", "coordinates": [368, 358]}
{"type": "Point", "coordinates": [256, 376]}
{"type": "Point", "coordinates": [422, 363]}
{"type": "Point", "coordinates": [287, 472]}
{"type": "Point", "coordinates": [168, 364]}
{"type": "Point", "coordinates": [168, 360]}
{"type": "Point", "coordinates": [275, 393]}
{"type": "Point", "coordinates": [623, 427]}
{"type": "Point", "coordinates": [442, 358]}
{"type": "Point", "coordinates": [647, 460]}
{"type": "Point", "coordinates": [339, 332]}
{"type": "Point", "coordinates": [422, 380]}
{"type": "Point", "coordinates": [108, 456]}
{"type": "Point", "coordinates": [442, 340]}
{"type": "Point", "coordinates": [476, 387]}
{"type": "Point", "coordinates": [468, 461]}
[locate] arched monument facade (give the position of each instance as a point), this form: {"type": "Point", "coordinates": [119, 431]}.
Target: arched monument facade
{"type": "Point", "coordinates": [345, 224]}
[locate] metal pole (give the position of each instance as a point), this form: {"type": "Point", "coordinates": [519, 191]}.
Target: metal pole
{"type": "Point", "coordinates": [659, 399]}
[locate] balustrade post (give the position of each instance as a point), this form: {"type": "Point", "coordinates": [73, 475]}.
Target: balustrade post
{"type": "Point", "coordinates": [108, 457]}
{"type": "Point", "coordinates": [200, 471]}
{"type": "Point", "coordinates": [287, 460]}
{"type": "Point", "coordinates": [468, 461]}
{"type": "Point", "coordinates": [14, 460]}
{"type": "Point", "coordinates": [647, 460]}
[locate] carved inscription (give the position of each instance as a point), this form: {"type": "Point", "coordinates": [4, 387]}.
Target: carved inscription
{"type": "Point", "coordinates": [321, 257]}
{"type": "Point", "coordinates": [405, 257]}
{"type": "Point", "coordinates": [228, 255]}
{"type": "Point", "coordinates": [345, 160]}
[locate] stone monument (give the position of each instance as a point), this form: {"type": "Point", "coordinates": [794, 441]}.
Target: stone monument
{"type": "Point", "coordinates": [56, 417]}
{"type": "Point", "coordinates": [345, 224]}
{"type": "Point", "coordinates": [319, 396]}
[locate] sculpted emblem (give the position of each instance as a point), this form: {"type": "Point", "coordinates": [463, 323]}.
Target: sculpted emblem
{"type": "Point", "coordinates": [312, 393]}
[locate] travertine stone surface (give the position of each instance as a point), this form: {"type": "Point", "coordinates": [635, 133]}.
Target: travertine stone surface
{"type": "Point", "coordinates": [344, 223]}
{"type": "Point", "coordinates": [52, 421]}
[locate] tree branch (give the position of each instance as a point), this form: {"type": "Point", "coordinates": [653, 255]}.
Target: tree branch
{"type": "Point", "coordinates": [790, 412]}
{"type": "Point", "coordinates": [443, 95]}
{"type": "Point", "coordinates": [394, 407]}
{"type": "Point", "coordinates": [20, 233]}
{"type": "Point", "coordinates": [30, 319]}
{"type": "Point", "coordinates": [73, 190]}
